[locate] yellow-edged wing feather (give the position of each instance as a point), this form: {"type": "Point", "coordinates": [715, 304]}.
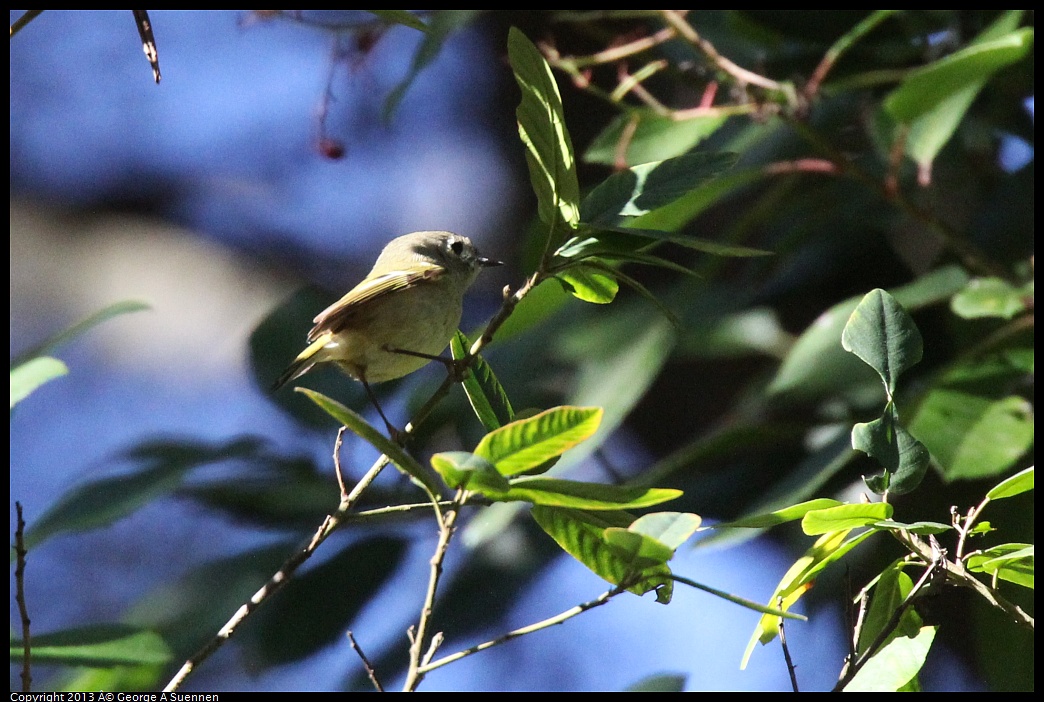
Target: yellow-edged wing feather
{"type": "Point", "coordinates": [337, 315]}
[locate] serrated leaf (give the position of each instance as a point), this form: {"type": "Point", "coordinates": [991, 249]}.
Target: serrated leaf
{"type": "Point", "coordinates": [98, 646]}
{"type": "Point", "coordinates": [484, 391]}
{"type": "Point", "coordinates": [558, 492]}
{"type": "Point", "coordinates": [1013, 485]}
{"type": "Point", "coordinates": [639, 190]}
{"type": "Point", "coordinates": [526, 443]}
{"type": "Point", "coordinates": [844, 517]}
{"type": "Point", "coordinates": [30, 375]}
{"type": "Point", "coordinates": [882, 334]}
{"type": "Point", "coordinates": [365, 431]}
{"type": "Point", "coordinates": [466, 471]}
{"type": "Point", "coordinates": [581, 535]}
{"type": "Point", "coordinates": [542, 128]}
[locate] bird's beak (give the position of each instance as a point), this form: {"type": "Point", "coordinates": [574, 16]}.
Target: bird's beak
{"type": "Point", "coordinates": [488, 262]}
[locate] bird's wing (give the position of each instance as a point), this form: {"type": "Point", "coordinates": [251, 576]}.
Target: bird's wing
{"type": "Point", "coordinates": [337, 315]}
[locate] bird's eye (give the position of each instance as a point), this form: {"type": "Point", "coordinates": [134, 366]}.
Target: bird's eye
{"type": "Point", "coordinates": [458, 247]}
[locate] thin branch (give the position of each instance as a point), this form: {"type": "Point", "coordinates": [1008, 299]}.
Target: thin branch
{"type": "Point", "coordinates": [337, 460]}
{"type": "Point", "coordinates": [21, 22]}
{"type": "Point", "coordinates": [614, 53]}
{"type": "Point", "coordinates": [786, 650]}
{"type": "Point", "coordinates": [366, 662]}
{"type": "Point", "coordinates": [882, 636]}
{"type": "Point", "coordinates": [446, 529]}
{"type": "Point", "coordinates": [676, 19]}
{"type": "Point", "coordinates": [840, 47]}
{"type": "Point", "coordinates": [546, 623]}
{"type": "Point", "coordinates": [23, 609]}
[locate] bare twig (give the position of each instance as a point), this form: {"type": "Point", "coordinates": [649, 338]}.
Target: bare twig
{"type": "Point", "coordinates": [676, 19]}
{"type": "Point", "coordinates": [786, 650]}
{"type": "Point", "coordinates": [366, 662]}
{"type": "Point", "coordinates": [546, 623]}
{"type": "Point", "coordinates": [337, 461]}
{"type": "Point", "coordinates": [447, 526]}
{"type": "Point", "coordinates": [21, 22]}
{"type": "Point", "coordinates": [23, 609]}
{"type": "Point", "coordinates": [148, 41]}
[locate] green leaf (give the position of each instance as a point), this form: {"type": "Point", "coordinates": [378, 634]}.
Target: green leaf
{"type": "Point", "coordinates": [989, 297]}
{"type": "Point", "coordinates": [99, 646]}
{"type": "Point", "coordinates": [926, 87]}
{"type": "Point", "coordinates": [557, 492]}
{"type": "Point", "coordinates": [890, 591]}
{"type": "Point", "coordinates": [638, 550]}
{"type": "Point", "coordinates": [30, 375]}
{"type": "Point", "coordinates": [1014, 485]}
{"type": "Point", "coordinates": [114, 310]}
{"type": "Point", "coordinates": [970, 435]}
{"type": "Point", "coordinates": [895, 664]}
{"type": "Point", "coordinates": [817, 365]}
{"type": "Point", "coordinates": [541, 125]}
{"type": "Point", "coordinates": [882, 334]}
{"type": "Point", "coordinates": [922, 528]}
{"type": "Point", "coordinates": [589, 283]}
{"type": "Point", "coordinates": [844, 517]}
{"type": "Point", "coordinates": [104, 501]}
{"type": "Point", "coordinates": [364, 430]}
{"type": "Point", "coordinates": [779, 516]}
{"type": "Point", "coordinates": [904, 458]}
{"type": "Point", "coordinates": [403, 17]}
{"type": "Point", "coordinates": [652, 137]}
{"type": "Point", "coordinates": [485, 393]}
{"type": "Point", "coordinates": [669, 528]}
{"type": "Point", "coordinates": [443, 23]}
{"type": "Point", "coordinates": [658, 683]}
{"type": "Point", "coordinates": [467, 471]}
{"type": "Point", "coordinates": [582, 535]}
{"type": "Point", "coordinates": [642, 189]}
{"type": "Point", "coordinates": [1012, 562]}
{"type": "Point", "coordinates": [829, 548]}
{"type": "Point", "coordinates": [526, 443]}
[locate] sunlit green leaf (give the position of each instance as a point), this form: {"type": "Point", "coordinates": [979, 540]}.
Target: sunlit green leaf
{"type": "Point", "coordinates": [590, 496]}
{"type": "Point", "coordinates": [526, 443]}
{"type": "Point", "coordinates": [582, 535]}
{"type": "Point", "coordinates": [895, 664]}
{"type": "Point", "coordinates": [1013, 485]}
{"type": "Point", "coordinates": [1011, 562]}
{"type": "Point", "coordinates": [637, 191]}
{"type": "Point", "coordinates": [30, 375]}
{"type": "Point", "coordinates": [669, 528]}
{"type": "Point", "coordinates": [844, 517]}
{"type": "Point", "coordinates": [589, 283]}
{"type": "Point", "coordinates": [467, 471]}
{"type": "Point", "coordinates": [541, 125]}
{"type": "Point", "coordinates": [779, 516]}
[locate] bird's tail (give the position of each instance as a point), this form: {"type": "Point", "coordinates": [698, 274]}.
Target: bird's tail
{"type": "Point", "coordinates": [302, 364]}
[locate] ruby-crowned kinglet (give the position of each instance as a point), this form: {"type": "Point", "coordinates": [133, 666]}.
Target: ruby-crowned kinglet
{"type": "Point", "coordinates": [400, 317]}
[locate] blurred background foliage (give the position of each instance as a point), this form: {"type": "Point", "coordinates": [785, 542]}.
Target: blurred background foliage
{"type": "Point", "coordinates": [851, 171]}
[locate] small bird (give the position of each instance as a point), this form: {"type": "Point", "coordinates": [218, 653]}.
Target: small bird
{"type": "Point", "coordinates": [400, 317]}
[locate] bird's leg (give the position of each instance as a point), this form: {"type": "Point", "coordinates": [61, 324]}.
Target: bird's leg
{"type": "Point", "coordinates": [393, 433]}
{"type": "Point", "coordinates": [454, 366]}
